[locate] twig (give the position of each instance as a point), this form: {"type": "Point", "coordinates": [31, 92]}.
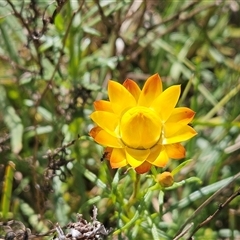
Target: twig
{"type": "Point", "coordinates": [27, 26]}
{"type": "Point", "coordinates": [48, 86]}
{"type": "Point", "coordinates": [184, 231]}
{"type": "Point", "coordinates": [182, 18]}
{"type": "Point", "coordinates": [176, 15]}
{"type": "Point", "coordinates": [15, 65]}
{"type": "Point", "coordinates": [141, 18]}
{"type": "Point", "coordinates": [105, 20]}
{"type": "Point", "coordinates": [210, 218]}
{"type": "Point", "coordinates": [61, 3]}
{"type": "Point", "coordinates": [63, 147]}
{"type": "Point", "coordinates": [54, 71]}
{"type": "Point", "coordinates": [179, 233]}
{"type": "Point", "coordinates": [59, 59]}
{"type": "Point", "coordinates": [20, 17]}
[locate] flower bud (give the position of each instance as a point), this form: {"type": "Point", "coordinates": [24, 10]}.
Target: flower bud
{"type": "Point", "coordinates": [165, 179]}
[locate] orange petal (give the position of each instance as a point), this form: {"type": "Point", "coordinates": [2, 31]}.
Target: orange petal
{"type": "Point", "coordinates": [151, 90]}
{"type": "Point", "coordinates": [166, 102]}
{"type": "Point", "coordinates": [181, 115]}
{"type": "Point", "coordinates": [118, 158]}
{"type": "Point", "coordinates": [132, 87]}
{"type": "Point", "coordinates": [185, 133]}
{"type": "Point", "coordinates": [162, 159]}
{"type": "Point", "coordinates": [105, 139]}
{"type": "Point", "coordinates": [120, 97]}
{"type": "Point", "coordinates": [136, 157]}
{"type": "Point", "coordinates": [102, 105]}
{"type": "Point", "coordinates": [106, 120]}
{"type": "Point", "coordinates": [143, 168]}
{"type": "Point", "coordinates": [107, 153]}
{"type": "Point", "coordinates": [94, 131]}
{"type": "Point", "coordinates": [175, 151]}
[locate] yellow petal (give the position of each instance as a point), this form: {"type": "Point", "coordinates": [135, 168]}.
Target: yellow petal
{"type": "Point", "coordinates": [151, 90]}
{"type": "Point", "coordinates": [181, 115]}
{"type": "Point", "coordinates": [178, 119]}
{"type": "Point", "coordinates": [136, 157]}
{"type": "Point", "coordinates": [183, 134]}
{"type": "Point", "coordinates": [166, 102]}
{"type": "Point", "coordinates": [162, 159]}
{"type": "Point", "coordinates": [120, 97]}
{"type": "Point", "coordinates": [118, 158]}
{"type": "Point", "coordinates": [143, 168]}
{"type": "Point", "coordinates": [133, 88]}
{"type": "Point", "coordinates": [104, 138]}
{"type": "Point", "coordinates": [107, 121]}
{"type": "Point", "coordinates": [155, 151]}
{"type": "Point", "coordinates": [175, 151]}
{"type": "Point", "coordinates": [140, 127]}
{"type": "Point", "coordinates": [102, 105]}
{"type": "Point", "coordinates": [170, 128]}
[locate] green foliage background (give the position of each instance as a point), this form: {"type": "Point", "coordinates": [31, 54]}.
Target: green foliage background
{"type": "Point", "coordinates": [55, 61]}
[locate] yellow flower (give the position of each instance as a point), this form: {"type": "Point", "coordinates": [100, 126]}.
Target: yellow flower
{"type": "Point", "coordinates": [142, 128]}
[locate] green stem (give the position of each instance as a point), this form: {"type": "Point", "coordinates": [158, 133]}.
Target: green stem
{"type": "Point", "coordinates": [136, 187]}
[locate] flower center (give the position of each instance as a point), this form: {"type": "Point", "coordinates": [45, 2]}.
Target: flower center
{"type": "Point", "coordinates": [140, 128]}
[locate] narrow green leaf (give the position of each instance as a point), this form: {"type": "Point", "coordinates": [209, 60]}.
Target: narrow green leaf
{"type": "Point", "coordinates": [134, 219]}
{"type": "Point", "coordinates": [179, 167]}
{"type": "Point", "coordinates": [181, 183]}
{"type": "Point", "coordinates": [116, 179]}
{"type": "Point", "coordinates": [7, 190]}
{"type": "Point", "coordinates": [93, 178]}
{"type": "Point", "coordinates": [13, 121]}
{"type": "Point", "coordinates": [16, 128]}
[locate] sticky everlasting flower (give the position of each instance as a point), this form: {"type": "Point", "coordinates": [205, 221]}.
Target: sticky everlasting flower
{"type": "Point", "coordinates": [142, 128]}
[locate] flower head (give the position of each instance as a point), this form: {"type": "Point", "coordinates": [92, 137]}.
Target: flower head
{"type": "Point", "coordinates": [142, 128]}
{"type": "Point", "coordinates": [165, 179]}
